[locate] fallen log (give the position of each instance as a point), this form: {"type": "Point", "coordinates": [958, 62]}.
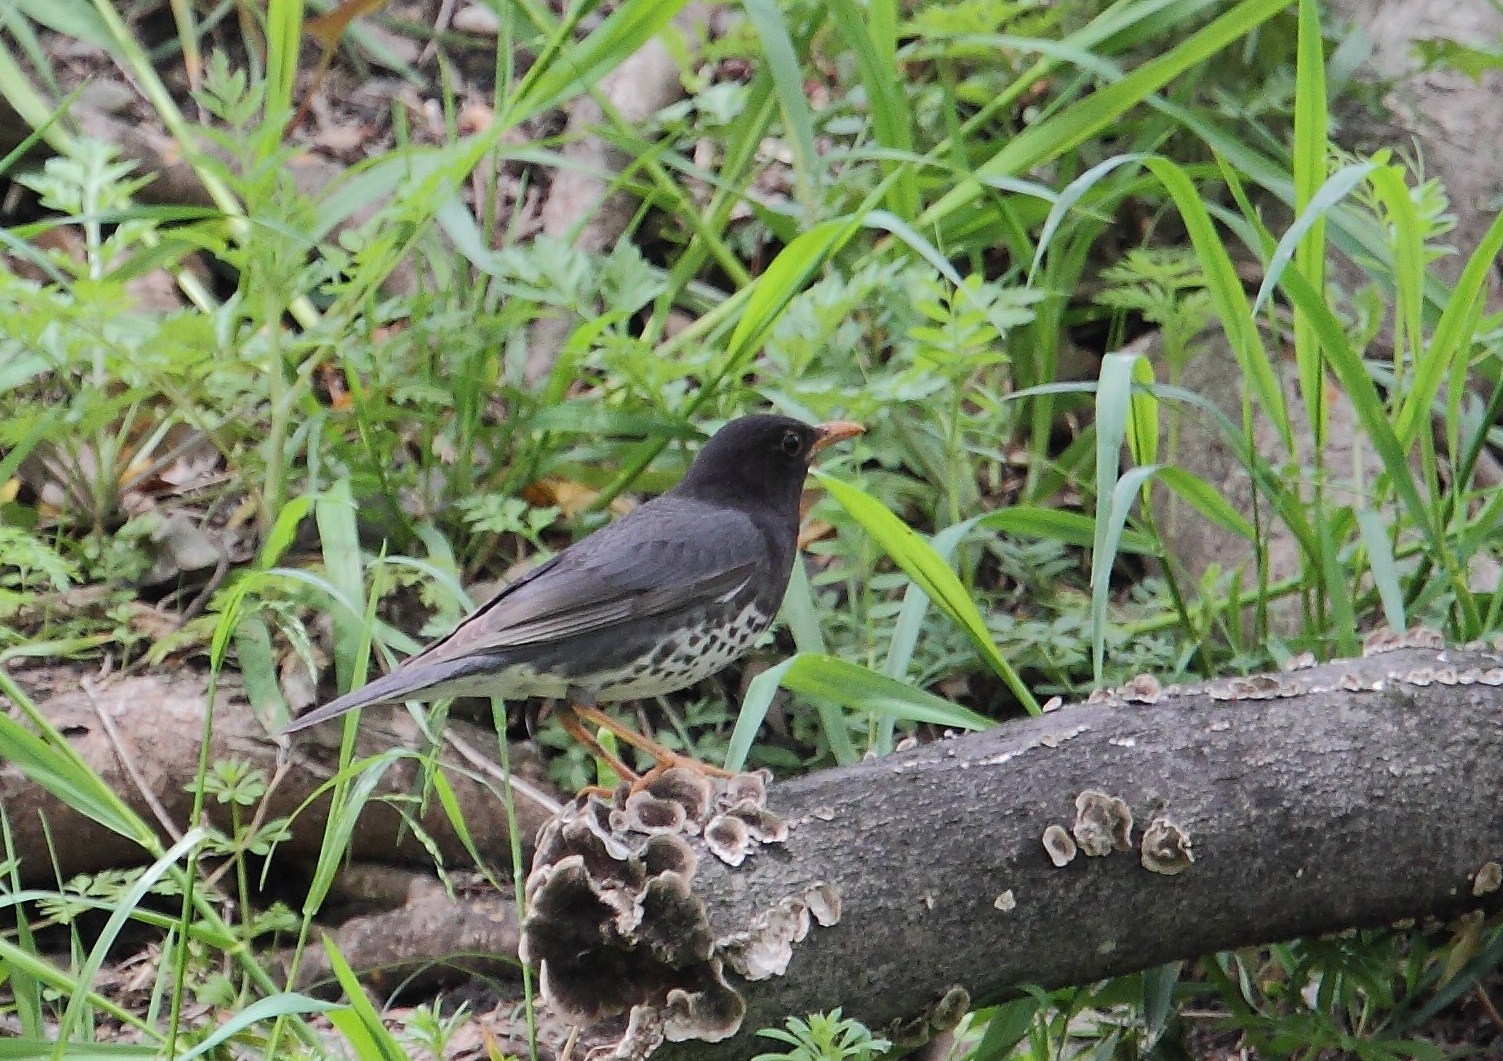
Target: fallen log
{"type": "Point", "coordinates": [141, 736]}
{"type": "Point", "coordinates": [1144, 826]}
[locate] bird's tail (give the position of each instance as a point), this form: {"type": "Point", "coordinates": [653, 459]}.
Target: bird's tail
{"type": "Point", "coordinates": [405, 683]}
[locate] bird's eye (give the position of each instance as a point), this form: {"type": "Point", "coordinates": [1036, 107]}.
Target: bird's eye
{"type": "Point", "coordinates": [792, 443]}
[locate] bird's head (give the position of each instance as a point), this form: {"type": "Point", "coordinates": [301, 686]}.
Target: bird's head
{"type": "Point", "coordinates": [760, 459]}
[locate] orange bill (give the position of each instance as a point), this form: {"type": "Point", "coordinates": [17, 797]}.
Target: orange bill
{"type": "Point", "coordinates": [835, 431]}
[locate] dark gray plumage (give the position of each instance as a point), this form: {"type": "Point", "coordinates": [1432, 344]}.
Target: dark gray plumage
{"type": "Point", "coordinates": [660, 599]}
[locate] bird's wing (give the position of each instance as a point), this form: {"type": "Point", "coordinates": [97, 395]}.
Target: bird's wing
{"type": "Point", "coordinates": [674, 558]}
{"type": "Point", "coordinates": [678, 559]}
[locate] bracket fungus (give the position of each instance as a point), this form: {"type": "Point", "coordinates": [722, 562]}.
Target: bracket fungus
{"type": "Point", "coordinates": [1103, 824]}
{"type": "Point", "coordinates": [1166, 847]}
{"type": "Point", "coordinates": [1059, 845]}
{"type": "Point", "coordinates": [620, 936]}
{"type": "Point", "coordinates": [728, 839]}
{"type": "Point", "coordinates": [1142, 689]}
{"type": "Point", "coordinates": [765, 949]}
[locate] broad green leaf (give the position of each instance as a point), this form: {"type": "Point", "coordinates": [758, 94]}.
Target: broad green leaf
{"type": "Point", "coordinates": [1008, 1024]}
{"type": "Point", "coordinates": [1207, 500]}
{"type": "Point", "coordinates": [359, 1023]}
{"type": "Point", "coordinates": [1380, 561]}
{"type": "Point", "coordinates": [920, 562]}
{"type": "Point", "coordinates": [279, 1005]}
{"type": "Point", "coordinates": [837, 681]}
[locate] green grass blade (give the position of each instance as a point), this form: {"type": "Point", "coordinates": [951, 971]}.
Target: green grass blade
{"type": "Point", "coordinates": [1068, 129]}
{"type": "Point", "coordinates": [1113, 404]}
{"type": "Point", "coordinates": [789, 272]}
{"type": "Point", "coordinates": [1333, 191]}
{"type": "Point", "coordinates": [63, 981]}
{"type": "Point", "coordinates": [821, 677]}
{"type": "Point", "coordinates": [760, 693]}
{"type": "Point", "coordinates": [1104, 556]}
{"type": "Point", "coordinates": [1309, 164]}
{"type": "Point", "coordinates": [350, 798]}
{"type": "Point", "coordinates": [284, 39]}
{"type": "Point", "coordinates": [1406, 258]}
{"type": "Point", "coordinates": [339, 540]}
{"type": "Point", "coordinates": [581, 66]}
{"type": "Point", "coordinates": [1348, 368]}
{"type": "Point", "coordinates": [793, 102]}
{"type": "Point", "coordinates": [919, 561]}
{"type": "Point", "coordinates": [1380, 562]}
{"type": "Point", "coordinates": [1143, 415]}
{"type": "Point", "coordinates": [49, 761]}
{"type": "Point", "coordinates": [279, 1005]}
{"type": "Point", "coordinates": [359, 1023]}
{"type": "Point", "coordinates": [910, 623]}
{"type": "Point", "coordinates": [1225, 288]}
{"type": "Point", "coordinates": [129, 900]}
{"type": "Point", "coordinates": [803, 620]}
{"type": "Point", "coordinates": [1453, 335]}
{"type": "Point", "coordinates": [1052, 524]}
{"type": "Point", "coordinates": [1067, 201]}
{"type": "Point", "coordinates": [31, 1049]}
{"type": "Point", "coordinates": [876, 64]}
{"type": "Point", "coordinates": [863, 689]}
{"type": "Point", "coordinates": [1207, 500]}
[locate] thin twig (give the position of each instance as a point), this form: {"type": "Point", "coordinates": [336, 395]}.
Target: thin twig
{"type": "Point", "coordinates": [128, 764]}
{"type": "Point", "coordinates": [519, 785]}
{"type": "Point", "coordinates": [441, 26]}
{"type": "Point", "coordinates": [195, 606]}
{"type": "Point", "coordinates": [1487, 1004]}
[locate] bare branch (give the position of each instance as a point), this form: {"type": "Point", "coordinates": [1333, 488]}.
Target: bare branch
{"type": "Point", "coordinates": [1264, 808]}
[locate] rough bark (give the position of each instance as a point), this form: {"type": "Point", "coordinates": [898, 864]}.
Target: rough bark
{"type": "Point", "coordinates": [1352, 794]}
{"type": "Point", "coordinates": [141, 735]}
{"type": "Point", "coordinates": [428, 938]}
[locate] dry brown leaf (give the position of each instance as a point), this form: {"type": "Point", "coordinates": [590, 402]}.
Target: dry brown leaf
{"type": "Point", "coordinates": [328, 28]}
{"type": "Point", "coordinates": [813, 531]}
{"type": "Point", "coordinates": [570, 496]}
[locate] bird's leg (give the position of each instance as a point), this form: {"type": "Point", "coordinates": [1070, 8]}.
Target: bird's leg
{"type": "Point", "coordinates": [569, 717]}
{"type": "Point", "coordinates": [663, 757]}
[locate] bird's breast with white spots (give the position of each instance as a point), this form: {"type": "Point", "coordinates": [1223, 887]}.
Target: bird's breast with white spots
{"type": "Point", "coordinates": [685, 657]}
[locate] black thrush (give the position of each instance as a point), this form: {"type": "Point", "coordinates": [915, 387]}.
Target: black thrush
{"type": "Point", "coordinates": [666, 596]}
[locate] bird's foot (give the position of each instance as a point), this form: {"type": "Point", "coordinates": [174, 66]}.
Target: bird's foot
{"type": "Point", "coordinates": [569, 718]}
{"type": "Point", "coordinates": [664, 758]}
{"type": "Point", "coordinates": [683, 762]}
{"type": "Point", "coordinates": [600, 792]}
